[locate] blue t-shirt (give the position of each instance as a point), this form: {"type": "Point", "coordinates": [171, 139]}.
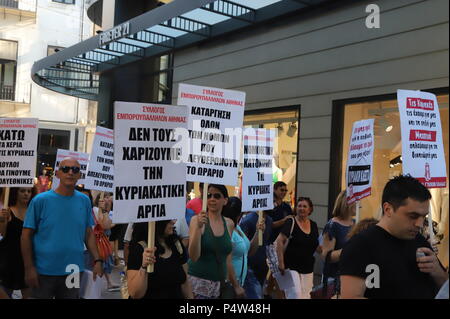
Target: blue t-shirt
{"type": "Point", "coordinates": [241, 246]}
{"type": "Point", "coordinates": [257, 262]}
{"type": "Point", "coordinates": [60, 224]}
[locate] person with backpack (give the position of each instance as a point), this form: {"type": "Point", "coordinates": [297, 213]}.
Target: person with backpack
{"type": "Point", "coordinates": [296, 245]}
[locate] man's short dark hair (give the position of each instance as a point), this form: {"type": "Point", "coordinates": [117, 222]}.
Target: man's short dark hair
{"type": "Point", "coordinates": [402, 187]}
{"type": "Point", "coordinates": [279, 184]}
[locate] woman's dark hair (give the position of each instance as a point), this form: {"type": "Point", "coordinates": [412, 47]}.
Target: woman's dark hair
{"type": "Point", "coordinates": [233, 209]}
{"type": "Point", "coordinates": [402, 187]}
{"type": "Point", "coordinates": [140, 233]}
{"type": "Point", "coordinates": [363, 225]}
{"type": "Point", "coordinates": [308, 200]}
{"type": "Point", "coordinates": [222, 189]}
{"type": "Point", "coordinates": [97, 199]}
{"type": "Point", "coordinates": [14, 192]}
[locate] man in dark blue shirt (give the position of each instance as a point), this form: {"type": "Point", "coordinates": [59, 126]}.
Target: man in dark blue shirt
{"type": "Point", "coordinates": [281, 210]}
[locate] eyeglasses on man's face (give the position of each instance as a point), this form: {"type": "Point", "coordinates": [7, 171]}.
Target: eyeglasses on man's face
{"type": "Point", "coordinates": [66, 169]}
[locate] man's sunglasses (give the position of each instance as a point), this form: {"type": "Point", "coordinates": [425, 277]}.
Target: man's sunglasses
{"type": "Point", "coordinates": [215, 195]}
{"type": "Point", "coordinates": [66, 169]}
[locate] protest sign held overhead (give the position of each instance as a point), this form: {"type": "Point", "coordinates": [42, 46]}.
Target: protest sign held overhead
{"type": "Point", "coordinates": [100, 171]}
{"type": "Point", "coordinates": [360, 161]}
{"type": "Point", "coordinates": [18, 144]}
{"type": "Point", "coordinates": [150, 177]}
{"type": "Point", "coordinates": [422, 147]}
{"type": "Point", "coordinates": [214, 133]}
{"type": "Point", "coordinates": [82, 158]}
{"type": "Point", "coordinates": [257, 186]}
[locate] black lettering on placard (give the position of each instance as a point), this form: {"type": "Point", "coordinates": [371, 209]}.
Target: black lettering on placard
{"type": "Point", "coordinates": [207, 148]}
{"type": "Point", "coordinates": [162, 135]}
{"type": "Point", "coordinates": [358, 175]}
{"type": "Point", "coordinates": [100, 159]}
{"type": "Point", "coordinates": [151, 172]}
{"type": "Point", "coordinates": [12, 135]}
{"type": "Point", "coordinates": [106, 145]}
{"type": "Point", "coordinates": [260, 177]}
{"type": "Point", "coordinates": [259, 190]}
{"type": "Point", "coordinates": [153, 211]}
{"type": "Point", "coordinates": [259, 203]}
{"type": "Point", "coordinates": [150, 153]}
{"type": "Point", "coordinates": [9, 164]}
{"type": "Point", "coordinates": [108, 153]}
{"type": "Point", "coordinates": [139, 134]}
{"type": "Point", "coordinates": [210, 124]}
{"type": "Point", "coordinates": [210, 172]}
{"type": "Point", "coordinates": [19, 153]}
{"type": "Point", "coordinates": [149, 192]}
{"type": "Point", "coordinates": [106, 168]}
{"type": "Point", "coordinates": [259, 150]}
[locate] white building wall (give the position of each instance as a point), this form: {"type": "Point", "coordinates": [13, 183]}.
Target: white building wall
{"type": "Point", "coordinates": [56, 24]}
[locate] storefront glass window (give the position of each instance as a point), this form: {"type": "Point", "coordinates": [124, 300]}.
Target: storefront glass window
{"type": "Point", "coordinates": [388, 162]}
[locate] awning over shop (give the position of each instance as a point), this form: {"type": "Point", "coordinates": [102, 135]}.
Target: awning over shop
{"type": "Point", "coordinates": [75, 70]}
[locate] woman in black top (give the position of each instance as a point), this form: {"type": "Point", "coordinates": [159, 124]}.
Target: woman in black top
{"type": "Point", "coordinates": [169, 278]}
{"type": "Point", "coordinates": [12, 271]}
{"type": "Point", "coordinates": [298, 255]}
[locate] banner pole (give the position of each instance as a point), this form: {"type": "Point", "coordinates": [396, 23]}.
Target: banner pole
{"type": "Point", "coordinates": [205, 197]}
{"type": "Point", "coordinates": [260, 233]}
{"type": "Point", "coordinates": [430, 227]}
{"type": "Point", "coordinates": [151, 242]}
{"type": "Point", "coordinates": [358, 213]}
{"type": "Point", "coordinates": [6, 198]}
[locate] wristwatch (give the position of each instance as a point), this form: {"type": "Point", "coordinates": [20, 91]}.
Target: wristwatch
{"type": "Point", "coordinates": [98, 260]}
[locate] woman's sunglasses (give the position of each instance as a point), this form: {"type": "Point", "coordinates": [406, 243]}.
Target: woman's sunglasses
{"type": "Point", "coordinates": [215, 195]}
{"type": "Point", "coordinates": [66, 169]}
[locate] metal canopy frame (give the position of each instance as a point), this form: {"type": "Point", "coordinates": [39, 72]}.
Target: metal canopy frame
{"type": "Point", "coordinates": [75, 70]}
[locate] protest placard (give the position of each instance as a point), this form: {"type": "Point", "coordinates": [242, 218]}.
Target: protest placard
{"type": "Point", "coordinates": [149, 175]}
{"type": "Point", "coordinates": [82, 158]}
{"type": "Point", "coordinates": [18, 148]}
{"type": "Point", "coordinates": [215, 133]}
{"type": "Point", "coordinates": [100, 170]}
{"type": "Point", "coordinates": [360, 161]}
{"type": "Point", "coordinates": [422, 147]}
{"type": "Point", "coordinates": [257, 186]}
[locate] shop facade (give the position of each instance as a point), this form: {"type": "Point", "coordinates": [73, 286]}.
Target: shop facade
{"type": "Point", "coordinates": [336, 71]}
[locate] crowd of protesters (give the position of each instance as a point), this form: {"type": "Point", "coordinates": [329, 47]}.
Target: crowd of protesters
{"type": "Point", "coordinates": [213, 251]}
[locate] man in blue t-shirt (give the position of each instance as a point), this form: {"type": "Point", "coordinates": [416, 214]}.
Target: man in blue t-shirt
{"type": "Point", "coordinates": [56, 226]}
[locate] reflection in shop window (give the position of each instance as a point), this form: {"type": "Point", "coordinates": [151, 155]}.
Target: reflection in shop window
{"type": "Point", "coordinates": [388, 160]}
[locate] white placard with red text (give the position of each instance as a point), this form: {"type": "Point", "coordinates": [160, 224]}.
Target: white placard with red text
{"type": "Point", "coordinates": [422, 147]}
{"type": "Point", "coordinates": [82, 158]}
{"type": "Point", "coordinates": [360, 161]}
{"type": "Point", "coordinates": [257, 186]}
{"type": "Point", "coordinates": [215, 133]}
{"type": "Point", "coordinates": [100, 171]}
{"type": "Point", "coordinates": [149, 174]}
{"type": "Point", "coordinates": [18, 145]}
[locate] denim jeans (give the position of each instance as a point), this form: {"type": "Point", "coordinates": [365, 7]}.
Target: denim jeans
{"type": "Point", "coordinates": [252, 286]}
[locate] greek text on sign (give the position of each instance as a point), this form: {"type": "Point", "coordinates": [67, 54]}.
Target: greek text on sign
{"type": "Point", "coordinates": [360, 161]}
{"type": "Point", "coordinates": [214, 133]}
{"type": "Point", "coordinates": [422, 146]}
{"type": "Point", "coordinates": [100, 172]}
{"type": "Point", "coordinates": [150, 177]}
{"type": "Point", "coordinates": [257, 186]}
{"type": "Point", "coordinates": [18, 144]}
{"type": "Point", "coordinates": [115, 33]}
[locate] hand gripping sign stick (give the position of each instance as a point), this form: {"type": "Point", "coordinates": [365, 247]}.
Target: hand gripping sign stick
{"type": "Point", "coordinates": [260, 233]}
{"type": "Point", "coordinates": [151, 242]}
{"type": "Point", "coordinates": [205, 197]}
{"type": "Point", "coordinates": [430, 227]}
